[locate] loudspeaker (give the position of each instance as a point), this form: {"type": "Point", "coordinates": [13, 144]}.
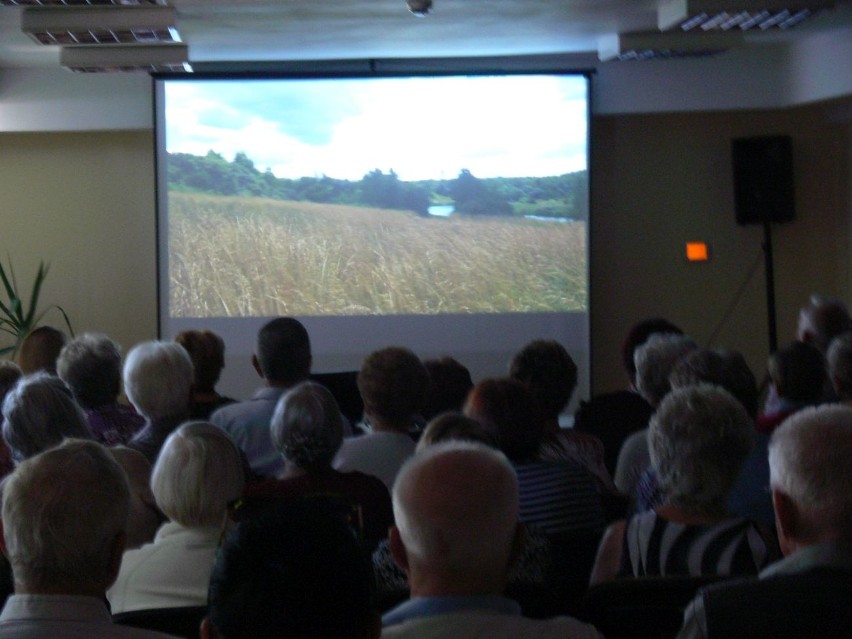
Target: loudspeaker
{"type": "Point", "coordinates": [763, 179]}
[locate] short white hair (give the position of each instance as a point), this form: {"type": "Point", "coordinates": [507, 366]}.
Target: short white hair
{"type": "Point", "coordinates": [655, 360]}
{"type": "Point", "coordinates": [39, 412]}
{"type": "Point", "coordinates": [198, 473]}
{"type": "Point", "coordinates": [699, 438]}
{"type": "Point", "coordinates": [456, 507]}
{"type": "Point", "coordinates": [809, 461]}
{"type": "Point", "coordinates": [158, 378]}
{"type": "Point", "coordinates": [62, 512]}
{"type": "Point", "coordinates": [307, 427]}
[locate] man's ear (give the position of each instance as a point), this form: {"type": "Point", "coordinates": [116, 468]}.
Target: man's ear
{"type": "Point", "coordinates": [397, 548]}
{"type": "Point", "coordinates": [786, 521]}
{"type": "Point", "coordinates": [256, 364]}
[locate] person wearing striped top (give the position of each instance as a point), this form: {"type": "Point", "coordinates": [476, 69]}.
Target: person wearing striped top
{"type": "Point", "coordinates": [698, 440]}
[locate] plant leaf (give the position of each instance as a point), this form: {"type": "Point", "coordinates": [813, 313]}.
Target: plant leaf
{"type": "Point", "coordinates": [40, 275]}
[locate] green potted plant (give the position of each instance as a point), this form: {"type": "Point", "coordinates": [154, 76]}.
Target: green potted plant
{"type": "Point", "coordinates": [17, 318]}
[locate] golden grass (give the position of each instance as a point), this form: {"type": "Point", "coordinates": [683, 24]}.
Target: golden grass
{"type": "Point", "coordinates": [232, 256]}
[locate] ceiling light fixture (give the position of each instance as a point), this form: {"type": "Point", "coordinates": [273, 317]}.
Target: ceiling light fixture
{"type": "Point", "coordinates": [723, 15]}
{"type": "Point", "coordinates": [73, 3]}
{"type": "Point", "coordinates": [153, 58]}
{"type": "Point", "coordinates": [419, 7]}
{"type": "Point", "coordinates": [88, 24]}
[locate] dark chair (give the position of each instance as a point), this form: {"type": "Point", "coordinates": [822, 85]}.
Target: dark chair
{"type": "Point", "coordinates": [344, 387]}
{"type": "Point", "coordinates": [180, 622]}
{"type": "Point", "coordinates": [641, 608]}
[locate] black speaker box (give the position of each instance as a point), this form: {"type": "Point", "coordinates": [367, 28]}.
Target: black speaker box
{"type": "Point", "coordinates": [763, 179]}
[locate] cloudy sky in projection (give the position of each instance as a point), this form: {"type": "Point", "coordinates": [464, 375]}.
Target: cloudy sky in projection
{"type": "Point", "coordinates": [422, 128]}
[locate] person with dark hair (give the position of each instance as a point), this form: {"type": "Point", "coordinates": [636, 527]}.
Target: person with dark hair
{"type": "Point", "coordinates": [207, 351]}
{"type": "Point", "coordinates": [821, 320]}
{"type": "Point", "coordinates": [91, 367]}
{"type": "Point", "coordinates": [10, 373]}
{"type": "Point", "coordinates": [307, 429]}
{"type": "Point", "coordinates": [450, 382]}
{"type": "Point", "coordinates": [840, 366]}
{"type": "Point", "coordinates": [393, 384]}
{"type": "Point", "coordinates": [550, 373]}
{"type": "Point", "coordinates": [296, 571]}
{"type": "Point", "coordinates": [282, 358]}
{"type": "Point", "coordinates": [798, 377]}
{"type": "Point", "coordinates": [40, 349]}
{"type": "Point", "coordinates": [612, 417]}
{"type": "Point", "coordinates": [557, 497]}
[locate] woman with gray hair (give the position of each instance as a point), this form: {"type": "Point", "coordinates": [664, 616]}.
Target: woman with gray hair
{"type": "Point", "coordinates": [698, 439]}
{"type": "Point", "coordinates": [307, 429]}
{"type": "Point", "coordinates": [198, 474]}
{"type": "Point", "coordinates": [40, 412]}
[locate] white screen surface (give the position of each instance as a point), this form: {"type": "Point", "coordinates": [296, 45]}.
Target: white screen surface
{"type": "Point", "coordinates": [443, 213]}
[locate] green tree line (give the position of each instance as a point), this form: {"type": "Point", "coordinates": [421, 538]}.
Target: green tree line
{"type": "Point", "coordinates": [554, 196]}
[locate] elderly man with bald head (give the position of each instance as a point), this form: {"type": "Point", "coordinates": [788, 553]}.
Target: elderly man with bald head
{"type": "Point", "coordinates": [456, 536]}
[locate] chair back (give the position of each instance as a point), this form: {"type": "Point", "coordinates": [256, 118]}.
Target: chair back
{"type": "Point", "coordinates": [179, 622]}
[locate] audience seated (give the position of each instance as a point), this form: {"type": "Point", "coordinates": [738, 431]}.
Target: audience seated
{"type": "Point", "coordinates": [698, 437]}
{"type": "Point", "coordinates": [40, 412]}
{"type": "Point", "coordinates": [207, 351]}
{"type": "Point", "coordinates": [456, 536]}
{"type": "Point", "coordinates": [282, 358]}
{"type": "Point", "coordinates": [821, 320]}
{"type": "Point", "coordinates": [91, 367]}
{"type": "Point", "coordinates": [806, 594]}
{"type": "Point", "coordinates": [40, 349]}
{"type": "Point", "coordinates": [65, 514]}
{"type": "Point", "coordinates": [157, 380]}
{"type": "Point", "coordinates": [557, 497]}
{"type": "Point", "coordinates": [393, 383]}
{"type": "Point", "coordinates": [655, 360]}
{"type": "Point", "coordinates": [296, 571]}
{"type": "Point", "coordinates": [307, 428]}
{"type": "Point", "coordinates": [612, 417]}
{"type": "Point", "coordinates": [550, 373]}
{"type": "Point", "coordinates": [450, 382]}
{"type": "Point", "coordinates": [840, 367]}
{"type": "Point", "coordinates": [198, 473]}
{"type": "Point", "coordinates": [798, 378]}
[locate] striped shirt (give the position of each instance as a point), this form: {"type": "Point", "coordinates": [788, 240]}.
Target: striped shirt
{"type": "Point", "coordinates": [558, 497]}
{"type": "Point", "coordinates": [654, 546]}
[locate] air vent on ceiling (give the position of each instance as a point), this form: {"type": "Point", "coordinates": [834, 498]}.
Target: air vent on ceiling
{"type": "Point", "coordinates": [161, 58]}
{"type": "Point", "coordinates": [648, 46]}
{"type": "Point", "coordinates": [726, 15]}
{"type": "Point", "coordinates": [133, 24]}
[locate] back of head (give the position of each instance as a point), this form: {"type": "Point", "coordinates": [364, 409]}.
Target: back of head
{"type": "Point", "coordinates": [393, 384]}
{"type": "Point", "coordinates": [809, 462]}
{"type": "Point", "coordinates": [509, 413]}
{"type": "Point", "coordinates": [698, 439]}
{"type": "Point", "coordinates": [307, 427]}
{"type": "Point", "coordinates": [10, 374]}
{"type": "Point", "coordinates": [840, 365]}
{"type": "Point", "coordinates": [655, 360]}
{"type": "Point", "coordinates": [158, 379]}
{"type": "Point", "coordinates": [284, 351]}
{"type": "Point", "coordinates": [454, 427]}
{"type": "Point", "coordinates": [638, 335]}
{"type": "Point", "coordinates": [297, 572]}
{"type": "Point", "coordinates": [547, 368]}
{"type": "Point", "coordinates": [798, 372]}
{"type": "Point", "coordinates": [727, 369]}
{"type": "Point", "coordinates": [91, 366]}
{"type": "Point", "coordinates": [62, 513]}
{"type": "Point", "coordinates": [456, 509]}
{"type": "Point", "coordinates": [822, 320]}
{"type": "Point", "coordinates": [450, 382]}
{"type": "Point", "coordinates": [39, 350]}
{"type": "Point", "coordinates": [39, 412]}
{"type": "Point", "coordinates": [198, 472]}
{"type": "Point", "coordinates": [207, 352]}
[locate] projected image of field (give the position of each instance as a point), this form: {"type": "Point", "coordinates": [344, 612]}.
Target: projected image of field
{"type": "Point", "coordinates": [242, 257]}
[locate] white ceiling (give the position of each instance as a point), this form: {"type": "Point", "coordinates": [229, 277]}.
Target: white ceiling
{"type": "Point", "coordinates": [285, 30]}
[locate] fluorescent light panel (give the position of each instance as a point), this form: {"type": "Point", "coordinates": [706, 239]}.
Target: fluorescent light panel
{"type": "Point", "coordinates": [126, 57]}
{"type": "Point", "coordinates": [68, 25]}
{"type": "Point", "coordinates": [74, 3]}
{"type": "Point", "coordinates": [725, 15]}
{"type": "Point", "coordinates": [647, 46]}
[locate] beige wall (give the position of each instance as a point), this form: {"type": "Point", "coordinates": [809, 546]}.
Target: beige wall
{"type": "Point", "coordinates": [660, 180]}
{"type": "Point", "coordinates": [85, 202]}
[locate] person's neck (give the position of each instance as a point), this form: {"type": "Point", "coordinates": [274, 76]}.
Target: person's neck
{"type": "Point", "coordinates": [678, 515]}
{"type": "Point", "coordinates": [458, 586]}
{"type": "Point", "coordinates": [384, 426]}
{"type": "Point", "coordinates": [74, 590]}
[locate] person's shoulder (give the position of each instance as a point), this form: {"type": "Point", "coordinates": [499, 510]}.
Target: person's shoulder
{"type": "Point", "coordinates": [496, 626]}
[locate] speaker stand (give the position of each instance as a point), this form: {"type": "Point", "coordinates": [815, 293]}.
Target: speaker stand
{"type": "Point", "coordinates": [770, 286]}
